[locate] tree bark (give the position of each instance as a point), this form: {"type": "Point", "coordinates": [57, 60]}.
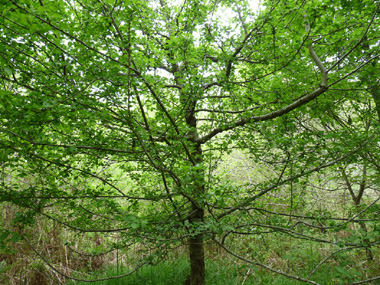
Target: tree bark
{"type": "Point", "coordinates": [196, 252]}
{"type": "Point", "coordinates": [196, 246]}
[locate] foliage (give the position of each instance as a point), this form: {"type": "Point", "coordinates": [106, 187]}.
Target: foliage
{"type": "Point", "coordinates": [116, 117]}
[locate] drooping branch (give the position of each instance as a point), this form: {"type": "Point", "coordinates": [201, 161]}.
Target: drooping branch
{"type": "Point", "coordinates": [292, 178]}
{"type": "Point", "coordinates": [263, 265]}
{"type": "Point", "coordinates": [296, 104]}
{"type": "Point", "coordinates": [79, 279]}
{"type": "Point", "coordinates": [240, 123]}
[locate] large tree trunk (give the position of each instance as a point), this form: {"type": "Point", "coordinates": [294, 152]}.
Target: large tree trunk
{"type": "Point", "coordinates": [196, 252]}
{"type": "Point", "coordinates": [196, 247]}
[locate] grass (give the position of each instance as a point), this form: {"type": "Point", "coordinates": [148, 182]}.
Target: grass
{"type": "Point", "coordinates": [20, 265]}
{"type": "Point", "coordinates": [174, 272]}
{"type": "Point", "coordinates": [295, 257]}
{"type": "Point", "coordinates": [223, 269]}
{"type": "Point", "coordinates": [164, 273]}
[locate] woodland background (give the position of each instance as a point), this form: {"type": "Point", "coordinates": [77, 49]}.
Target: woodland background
{"type": "Point", "coordinates": [195, 142]}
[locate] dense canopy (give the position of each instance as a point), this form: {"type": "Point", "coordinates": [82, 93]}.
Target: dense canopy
{"type": "Point", "coordinates": [120, 118]}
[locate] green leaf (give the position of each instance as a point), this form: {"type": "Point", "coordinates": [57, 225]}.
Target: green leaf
{"type": "Point", "coordinates": [8, 70]}
{"type": "Point", "coordinates": [16, 237]}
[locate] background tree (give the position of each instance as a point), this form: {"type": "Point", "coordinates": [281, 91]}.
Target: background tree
{"type": "Point", "coordinates": [119, 112]}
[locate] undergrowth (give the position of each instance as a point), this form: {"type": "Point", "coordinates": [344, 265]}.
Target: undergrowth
{"type": "Point", "coordinates": [20, 264]}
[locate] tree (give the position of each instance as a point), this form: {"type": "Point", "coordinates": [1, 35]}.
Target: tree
{"type": "Point", "coordinates": [120, 110]}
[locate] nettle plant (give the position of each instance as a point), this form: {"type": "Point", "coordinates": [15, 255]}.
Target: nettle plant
{"type": "Point", "coordinates": [116, 114]}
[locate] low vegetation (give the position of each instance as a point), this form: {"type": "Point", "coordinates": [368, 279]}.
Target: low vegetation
{"type": "Point", "coordinates": [189, 141]}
